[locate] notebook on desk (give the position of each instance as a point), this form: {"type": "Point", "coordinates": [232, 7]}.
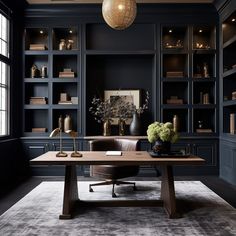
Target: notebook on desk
{"type": "Point", "coordinates": [113, 153]}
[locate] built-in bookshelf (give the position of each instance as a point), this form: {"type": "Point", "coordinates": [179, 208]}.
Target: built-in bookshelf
{"type": "Point", "coordinates": [229, 75]}
{"type": "Point", "coordinates": [51, 79]}
{"type": "Point", "coordinates": [188, 78]}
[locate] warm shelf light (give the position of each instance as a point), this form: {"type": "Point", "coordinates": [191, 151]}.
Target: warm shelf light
{"type": "Point", "coordinates": [200, 31]}
{"type": "Point", "coordinates": [41, 31]}
{"type": "Point", "coordinates": [170, 31]}
{"type": "Point", "coordinates": [70, 31]}
{"type": "Point", "coordinates": [233, 20]}
{"type": "Point", "coordinates": [119, 14]}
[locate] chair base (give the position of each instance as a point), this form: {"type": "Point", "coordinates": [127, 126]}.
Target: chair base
{"type": "Point", "coordinates": [113, 182]}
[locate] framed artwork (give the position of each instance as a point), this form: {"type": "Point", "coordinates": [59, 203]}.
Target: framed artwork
{"type": "Point", "coordinates": [130, 96]}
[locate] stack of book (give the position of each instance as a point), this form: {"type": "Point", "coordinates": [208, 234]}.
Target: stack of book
{"type": "Point", "coordinates": [37, 47]}
{"type": "Point", "coordinates": [39, 130]}
{"type": "Point", "coordinates": [66, 73]}
{"type": "Point", "coordinates": [204, 130]}
{"type": "Point", "coordinates": [38, 100]}
{"type": "Point", "coordinates": [174, 100]}
{"type": "Point", "coordinates": [174, 74]}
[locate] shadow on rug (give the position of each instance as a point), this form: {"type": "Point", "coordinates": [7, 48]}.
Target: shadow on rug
{"type": "Point", "coordinates": [204, 213]}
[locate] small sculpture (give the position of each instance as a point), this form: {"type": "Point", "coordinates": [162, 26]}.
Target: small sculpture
{"type": "Point", "coordinates": [54, 133]}
{"type": "Point", "coordinates": [73, 134]}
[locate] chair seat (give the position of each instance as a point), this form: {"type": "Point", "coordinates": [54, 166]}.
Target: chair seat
{"type": "Point", "coordinates": [114, 172]}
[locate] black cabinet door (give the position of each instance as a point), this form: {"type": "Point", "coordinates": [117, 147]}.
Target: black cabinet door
{"type": "Point", "coordinates": [35, 149]}
{"type": "Point", "coordinates": [206, 150]}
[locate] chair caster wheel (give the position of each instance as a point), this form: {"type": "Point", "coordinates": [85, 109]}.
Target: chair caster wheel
{"type": "Point", "coordinates": [90, 190]}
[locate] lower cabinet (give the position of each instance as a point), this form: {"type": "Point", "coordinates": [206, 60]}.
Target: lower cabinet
{"type": "Point", "coordinates": [207, 149]}
{"type": "Point", "coordinates": [228, 161]}
{"type": "Point", "coordinates": [34, 147]}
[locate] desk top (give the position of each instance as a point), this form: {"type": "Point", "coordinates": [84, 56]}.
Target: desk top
{"type": "Point", "coordinates": [127, 158]}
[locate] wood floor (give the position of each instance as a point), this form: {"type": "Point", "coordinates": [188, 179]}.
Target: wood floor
{"type": "Point", "coordinates": [9, 195]}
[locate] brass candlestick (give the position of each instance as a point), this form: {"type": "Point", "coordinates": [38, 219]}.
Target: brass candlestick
{"type": "Point", "coordinates": [54, 133]}
{"type": "Point", "coordinates": [73, 134]}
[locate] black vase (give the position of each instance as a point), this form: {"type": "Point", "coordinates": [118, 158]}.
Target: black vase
{"type": "Point", "coordinates": [161, 147]}
{"type": "Point", "coordinates": [135, 125]}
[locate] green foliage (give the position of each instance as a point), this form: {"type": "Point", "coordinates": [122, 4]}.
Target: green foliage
{"type": "Point", "coordinates": [162, 131]}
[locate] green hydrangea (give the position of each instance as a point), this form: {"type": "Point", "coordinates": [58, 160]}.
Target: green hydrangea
{"type": "Point", "coordinates": [162, 131]}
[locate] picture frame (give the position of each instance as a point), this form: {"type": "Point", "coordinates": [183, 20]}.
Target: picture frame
{"type": "Point", "coordinates": [129, 95]}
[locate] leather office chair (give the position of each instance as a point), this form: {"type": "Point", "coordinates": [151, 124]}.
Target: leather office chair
{"type": "Point", "coordinates": [112, 173]}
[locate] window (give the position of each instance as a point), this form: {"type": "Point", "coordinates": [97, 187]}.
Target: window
{"type": "Point", "coordinates": [4, 76]}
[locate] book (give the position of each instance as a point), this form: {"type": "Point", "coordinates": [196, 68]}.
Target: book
{"type": "Point", "coordinates": [38, 100]}
{"type": "Point", "coordinates": [64, 102]}
{"type": "Point", "coordinates": [175, 74]}
{"type": "Point", "coordinates": [37, 47]}
{"type": "Point", "coordinates": [174, 101]}
{"type": "Point", "coordinates": [39, 130]}
{"type": "Point", "coordinates": [204, 130]}
{"type": "Point", "coordinates": [113, 153]}
{"type": "Point", "coordinates": [66, 74]}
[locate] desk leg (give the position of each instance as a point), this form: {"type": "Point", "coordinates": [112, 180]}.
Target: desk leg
{"type": "Point", "coordinates": [70, 192]}
{"type": "Point", "coordinates": [168, 191]}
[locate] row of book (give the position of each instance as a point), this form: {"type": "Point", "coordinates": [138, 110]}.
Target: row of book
{"type": "Point", "coordinates": [37, 47]}
{"type": "Point", "coordinates": [38, 100]}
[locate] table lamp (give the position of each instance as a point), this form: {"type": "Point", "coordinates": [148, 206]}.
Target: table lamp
{"type": "Point", "coordinates": [54, 133]}
{"type": "Point", "coordinates": [73, 134]}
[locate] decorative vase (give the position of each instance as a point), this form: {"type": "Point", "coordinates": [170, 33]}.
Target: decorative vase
{"type": "Point", "coordinates": [161, 147]}
{"type": "Point", "coordinates": [106, 128]}
{"type": "Point", "coordinates": [121, 124]}
{"type": "Point", "coordinates": [135, 126]}
{"type": "Point", "coordinates": [67, 123]}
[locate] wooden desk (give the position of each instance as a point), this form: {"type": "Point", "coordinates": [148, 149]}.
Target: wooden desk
{"type": "Point", "coordinates": [167, 200]}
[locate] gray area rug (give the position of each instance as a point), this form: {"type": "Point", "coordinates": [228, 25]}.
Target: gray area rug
{"type": "Point", "coordinates": [204, 213]}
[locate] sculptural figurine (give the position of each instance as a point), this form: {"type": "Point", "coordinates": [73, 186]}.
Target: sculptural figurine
{"type": "Point", "coordinates": [34, 71]}
{"type": "Point", "coordinates": [74, 134]}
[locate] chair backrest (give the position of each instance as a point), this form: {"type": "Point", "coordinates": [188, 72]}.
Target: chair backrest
{"type": "Point", "coordinates": [113, 145]}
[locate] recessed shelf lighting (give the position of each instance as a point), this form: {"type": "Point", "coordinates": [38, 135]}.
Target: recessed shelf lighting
{"type": "Point", "coordinates": [41, 31]}
{"type": "Point", "coordinates": [200, 31]}
{"type": "Point", "coordinates": [170, 31]}
{"type": "Point", "coordinates": [70, 31]}
{"type": "Point", "coordinates": [233, 20]}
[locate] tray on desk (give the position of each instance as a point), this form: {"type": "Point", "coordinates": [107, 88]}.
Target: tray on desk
{"type": "Point", "coordinates": [173, 154]}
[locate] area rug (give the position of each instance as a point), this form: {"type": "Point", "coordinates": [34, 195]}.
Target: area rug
{"type": "Point", "coordinates": [203, 213]}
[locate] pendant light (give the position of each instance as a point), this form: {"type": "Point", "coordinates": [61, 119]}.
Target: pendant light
{"type": "Point", "coordinates": [119, 14]}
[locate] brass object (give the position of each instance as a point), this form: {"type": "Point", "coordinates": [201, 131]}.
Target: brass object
{"type": "Point", "coordinates": [176, 123]}
{"type": "Point", "coordinates": [34, 71]}
{"type": "Point", "coordinates": [69, 44]}
{"type": "Point", "coordinates": [62, 44]}
{"type": "Point", "coordinates": [67, 123]}
{"type": "Point", "coordinates": [73, 134]}
{"type": "Point", "coordinates": [60, 122]}
{"type": "Point", "coordinates": [121, 124]}
{"type": "Point", "coordinates": [119, 14]}
{"type": "Point", "coordinates": [205, 70]}
{"type": "Point", "coordinates": [107, 128]}
{"type": "Point", "coordinates": [54, 133]}
{"type": "Point", "coordinates": [44, 72]}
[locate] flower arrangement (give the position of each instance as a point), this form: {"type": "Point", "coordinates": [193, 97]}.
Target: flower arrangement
{"type": "Point", "coordinates": [162, 131]}
{"type": "Point", "coordinates": [102, 110]}
{"type": "Point", "coordinates": [141, 109]}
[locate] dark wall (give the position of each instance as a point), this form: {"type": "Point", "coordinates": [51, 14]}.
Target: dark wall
{"type": "Point", "coordinates": [13, 166]}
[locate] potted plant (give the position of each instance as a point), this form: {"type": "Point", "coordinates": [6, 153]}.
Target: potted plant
{"type": "Point", "coordinates": [162, 135]}
{"type": "Point", "coordinates": [103, 112]}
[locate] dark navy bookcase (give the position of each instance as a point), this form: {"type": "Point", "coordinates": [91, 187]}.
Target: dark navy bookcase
{"type": "Point", "coordinates": [136, 58]}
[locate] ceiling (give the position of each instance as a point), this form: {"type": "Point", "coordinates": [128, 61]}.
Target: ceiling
{"type": "Point", "coordinates": [100, 1]}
